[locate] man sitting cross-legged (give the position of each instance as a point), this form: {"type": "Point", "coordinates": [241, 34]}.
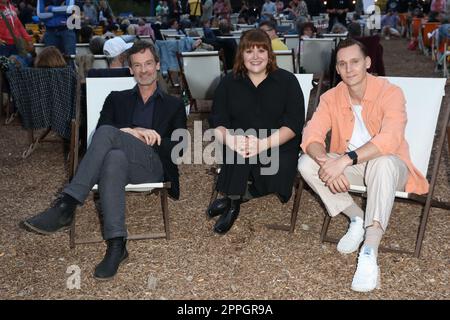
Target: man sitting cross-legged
{"type": "Point", "coordinates": [132, 144]}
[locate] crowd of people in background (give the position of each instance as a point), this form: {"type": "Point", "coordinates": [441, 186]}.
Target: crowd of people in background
{"type": "Point", "coordinates": [51, 17]}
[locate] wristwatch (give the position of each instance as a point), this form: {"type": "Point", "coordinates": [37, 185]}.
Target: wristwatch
{"type": "Point", "coordinates": [354, 156]}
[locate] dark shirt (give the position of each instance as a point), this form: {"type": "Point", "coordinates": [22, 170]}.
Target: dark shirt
{"type": "Point", "coordinates": [143, 112]}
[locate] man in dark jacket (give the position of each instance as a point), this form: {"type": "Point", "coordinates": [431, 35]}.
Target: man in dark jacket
{"type": "Point", "coordinates": [132, 144]}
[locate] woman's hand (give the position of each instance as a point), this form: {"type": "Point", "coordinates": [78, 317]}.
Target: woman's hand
{"type": "Point", "coordinates": [255, 146]}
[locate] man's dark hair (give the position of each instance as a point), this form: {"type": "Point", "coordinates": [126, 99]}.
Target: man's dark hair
{"type": "Point", "coordinates": [140, 46]}
{"type": "Point", "coordinates": [351, 42]}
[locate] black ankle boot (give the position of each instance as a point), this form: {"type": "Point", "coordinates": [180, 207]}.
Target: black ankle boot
{"type": "Point", "coordinates": [116, 253]}
{"type": "Point", "coordinates": [218, 207]}
{"type": "Point", "coordinates": [226, 220]}
{"type": "Point", "coordinates": [59, 216]}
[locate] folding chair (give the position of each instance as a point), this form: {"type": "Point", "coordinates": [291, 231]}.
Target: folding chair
{"type": "Point", "coordinates": [168, 32]}
{"type": "Point", "coordinates": [46, 98]}
{"type": "Point", "coordinates": [100, 61]}
{"type": "Point", "coordinates": [82, 48]}
{"type": "Point", "coordinates": [315, 55]}
{"type": "Point", "coordinates": [38, 47]}
{"type": "Point", "coordinates": [336, 36]}
{"type": "Point", "coordinates": [200, 73]}
{"type": "Point", "coordinates": [285, 59]}
{"type": "Point", "coordinates": [97, 89]}
{"type": "Point", "coordinates": [428, 28]}
{"type": "Point", "coordinates": [292, 41]}
{"type": "Point", "coordinates": [306, 84]}
{"type": "Point", "coordinates": [423, 112]}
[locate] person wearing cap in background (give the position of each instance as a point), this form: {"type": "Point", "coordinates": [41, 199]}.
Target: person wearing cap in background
{"type": "Point", "coordinates": [115, 52]}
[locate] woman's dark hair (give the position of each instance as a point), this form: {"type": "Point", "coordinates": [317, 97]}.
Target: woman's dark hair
{"type": "Point", "coordinates": [250, 39]}
{"type": "Point", "coordinates": [50, 57]}
{"type": "Point", "coordinates": [140, 46]}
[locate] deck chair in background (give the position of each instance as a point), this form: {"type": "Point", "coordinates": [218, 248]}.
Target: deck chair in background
{"type": "Point", "coordinates": [46, 98]}
{"type": "Point", "coordinates": [315, 55]}
{"type": "Point", "coordinates": [292, 41]}
{"type": "Point", "coordinates": [168, 32]}
{"type": "Point", "coordinates": [200, 73]}
{"type": "Point", "coordinates": [97, 89]}
{"type": "Point", "coordinates": [286, 59]}
{"type": "Point", "coordinates": [306, 84]}
{"type": "Point", "coordinates": [426, 29]}
{"type": "Point", "coordinates": [423, 112]}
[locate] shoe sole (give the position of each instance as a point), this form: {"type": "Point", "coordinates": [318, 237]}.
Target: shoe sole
{"type": "Point", "coordinates": [377, 286]}
{"type": "Point", "coordinates": [40, 231]}
{"type": "Point", "coordinates": [112, 277]}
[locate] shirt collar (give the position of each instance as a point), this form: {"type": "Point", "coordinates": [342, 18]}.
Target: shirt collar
{"type": "Point", "coordinates": [371, 93]}
{"type": "Point", "coordinates": [157, 94]}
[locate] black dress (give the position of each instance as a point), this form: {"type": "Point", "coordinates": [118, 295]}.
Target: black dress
{"type": "Point", "coordinates": [276, 102]}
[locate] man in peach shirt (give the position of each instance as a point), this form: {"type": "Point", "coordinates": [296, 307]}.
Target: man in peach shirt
{"type": "Point", "coordinates": [367, 119]}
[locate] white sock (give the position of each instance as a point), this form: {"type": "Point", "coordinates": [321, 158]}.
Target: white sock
{"type": "Point", "coordinates": [354, 211]}
{"type": "Point", "coordinates": [373, 238]}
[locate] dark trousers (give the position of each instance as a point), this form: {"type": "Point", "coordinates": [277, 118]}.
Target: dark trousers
{"type": "Point", "coordinates": [113, 160]}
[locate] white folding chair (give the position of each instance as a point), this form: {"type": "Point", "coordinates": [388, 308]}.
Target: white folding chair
{"type": "Point", "coordinates": [292, 41]}
{"type": "Point", "coordinates": [201, 74]}
{"type": "Point", "coordinates": [82, 48]}
{"type": "Point", "coordinates": [422, 112]}
{"type": "Point", "coordinates": [285, 59]}
{"type": "Point", "coordinates": [168, 32]}
{"type": "Point", "coordinates": [38, 47]}
{"type": "Point", "coordinates": [97, 89]}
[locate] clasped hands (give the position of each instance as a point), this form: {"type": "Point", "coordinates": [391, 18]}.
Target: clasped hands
{"type": "Point", "coordinates": [247, 146]}
{"type": "Point", "coordinates": [331, 172]}
{"type": "Point", "coordinates": [148, 136]}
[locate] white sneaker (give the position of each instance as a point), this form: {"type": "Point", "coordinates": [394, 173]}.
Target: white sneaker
{"type": "Point", "coordinates": [352, 239]}
{"type": "Point", "coordinates": [367, 275]}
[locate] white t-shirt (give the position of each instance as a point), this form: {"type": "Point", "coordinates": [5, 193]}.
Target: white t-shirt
{"type": "Point", "coordinates": [360, 135]}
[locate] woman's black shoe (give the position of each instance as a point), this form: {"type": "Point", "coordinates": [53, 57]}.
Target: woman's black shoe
{"type": "Point", "coordinates": [226, 220]}
{"type": "Point", "coordinates": [218, 207]}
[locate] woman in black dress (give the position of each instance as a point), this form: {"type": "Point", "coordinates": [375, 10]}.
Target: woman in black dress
{"type": "Point", "coordinates": [266, 104]}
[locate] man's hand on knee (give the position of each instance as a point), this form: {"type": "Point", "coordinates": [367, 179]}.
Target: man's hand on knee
{"type": "Point", "coordinates": [150, 136]}
{"type": "Point", "coordinates": [339, 185]}
{"type": "Point", "coordinates": [331, 168]}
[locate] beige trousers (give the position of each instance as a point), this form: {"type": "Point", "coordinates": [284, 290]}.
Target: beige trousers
{"type": "Point", "coordinates": [382, 177]}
